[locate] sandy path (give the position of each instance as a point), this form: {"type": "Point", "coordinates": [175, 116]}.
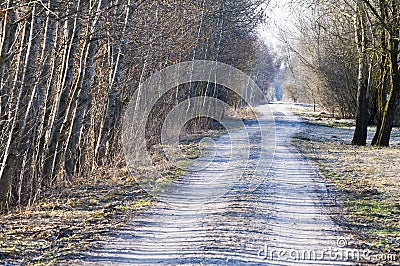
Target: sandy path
{"type": "Point", "coordinates": [273, 224]}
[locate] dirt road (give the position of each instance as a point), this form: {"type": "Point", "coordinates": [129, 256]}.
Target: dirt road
{"type": "Point", "coordinates": [276, 218]}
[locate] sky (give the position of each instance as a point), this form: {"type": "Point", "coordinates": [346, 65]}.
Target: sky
{"type": "Point", "coordinates": [279, 16]}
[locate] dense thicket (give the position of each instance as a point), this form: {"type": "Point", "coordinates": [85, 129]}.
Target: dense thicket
{"type": "Point", "coordinates": [69, 67]}
{"type": "Point", "coordinates": [344, 55]}
{"type": "Point", "coordinates": [322, 60]}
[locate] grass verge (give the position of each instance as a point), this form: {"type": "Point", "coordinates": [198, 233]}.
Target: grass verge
{"type": "Point", "coordinates": [367, 180]}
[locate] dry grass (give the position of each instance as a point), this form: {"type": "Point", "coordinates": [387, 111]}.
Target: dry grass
{"type": "Point", "coordinates": [70, 220]}
{"type": "Point", "coordinates": [242, 113]}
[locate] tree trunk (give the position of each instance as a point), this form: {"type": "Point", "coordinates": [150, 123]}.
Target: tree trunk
{"type": "Point", "coordinates": [112, 106]}
{"type": "Point", "coordinates": [383, 88]}
{"type": "Point", "coordinates": [8, 35]}
{"type": "Point", "coordinates": [72, 30]}
{"type": "Point", "coordinates": [18, 138]}
{"type": "Point", "coordinates": [8, 29]}
{"type": "Point", "coordinates": [83, 86]}
{"type": "Point", "coordinates": [362, 118]}
{"type": "Point", "coordinates": [28, 116]}
{"type": "Point", "coordinates": [386, 125]}
{"type": "Point", "coordinates": [45, 87]}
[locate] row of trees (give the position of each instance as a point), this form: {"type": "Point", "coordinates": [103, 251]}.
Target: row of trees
{"type": "Point", "coordinates": [69, 67]}
{"type": "Point", "coordinates": [345, 56]}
